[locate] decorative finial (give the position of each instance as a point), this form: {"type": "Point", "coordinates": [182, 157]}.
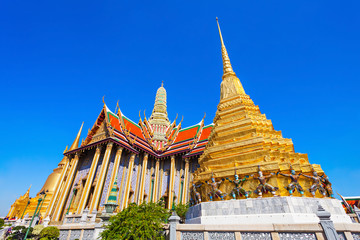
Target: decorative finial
{"type": "Point", "coordinates": [66, 149]}
{"type": "Point", "coordinates": [117, 104]}
{"type": "Point", "coordinates": [75, 144]}
{"type": "Point", "coordinates": [162, 83]}
{"type": "Point", "coordinates": [226, 60]}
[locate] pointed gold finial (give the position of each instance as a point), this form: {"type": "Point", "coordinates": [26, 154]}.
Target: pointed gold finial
{"type": "Point", "coordinates": [103, 99]}
{"type": "Point", "coordinates": [66, 149]}
{"type": "Point", "coordinates": [75, 144]}
{"type": "Point", "coordinates": [28, 191]}
{"type": "Point", "coordinates": [225, 57]}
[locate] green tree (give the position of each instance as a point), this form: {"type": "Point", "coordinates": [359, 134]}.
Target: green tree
{"type": "Point", "coordinates": [49, 233]}
{"type": "Point", "coordinates": [181, 210]}
{"type": "Point", "coordinates": [144, 221]}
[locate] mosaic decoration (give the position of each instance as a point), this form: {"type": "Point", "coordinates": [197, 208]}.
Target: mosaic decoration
{"type": "Point", "coordinates": [120, 177]}
{"type": "Point", "coordinates": [81, 173]}
{"type": "Point", "coordinates": [148, 180]}
{"type": "Point", "coordinates": [166, 178]}
{"type": "Point", "coordinates": [341, 236]}
{"type": "Point", "coordinates": [63, 234]}
{"type": "Point", "coordinates": [88, 234]}
{"type": "Point", "coordinates": [75, 234]}
{"type": "Point", "coordinates": [356, 236]}
{"type": "Point", "coordinates": [134, 177]}
{"type": "Point", "coordinates": [77, 220]}
{"type": "Point", "coordinates": [221, 236]}
{"type": "Point", "coordinates": [295, 236]}
{"type": "Point", "coordinates": [177, 179]}
{"type": "Point", "coordinates": [257, 236]}
{"type": "Point", "coordinates": [192, 235]}
{"type": "Point", "coordinates": [107, 178]}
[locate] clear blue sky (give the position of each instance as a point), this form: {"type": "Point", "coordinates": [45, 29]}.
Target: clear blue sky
{"type": "Point", "coordinates": [298, 60]}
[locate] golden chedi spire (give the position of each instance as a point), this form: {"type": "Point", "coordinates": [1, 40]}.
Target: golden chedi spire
{"type": "Point", "coordinates": [75, 144]}
{"type": "Point", "coordinates": [159, 120]}
{"type": "Point", "coordinates": [244, 140]}
{"type": "Point", "coordinates": [230, 85]}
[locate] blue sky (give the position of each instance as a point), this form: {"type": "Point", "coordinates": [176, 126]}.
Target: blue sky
{"type": "Point", "coordinates": [298, 60]}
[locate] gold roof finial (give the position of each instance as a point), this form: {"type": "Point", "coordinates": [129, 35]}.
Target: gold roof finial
{"type": "Point", "coordinates": [162, 83]}
{"type": "Point", "coordinates": [225, 57]}
{"type": "Point", "coordinates": [66, 149]}
{"type": "Point", "coordinates": [75, 144]}
{"type": "Point", "coordinates": [28, 191]}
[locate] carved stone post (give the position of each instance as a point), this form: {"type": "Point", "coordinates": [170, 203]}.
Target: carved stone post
{"type": "Point", "coordinates": [327, 224]}
{"type": "Point", "coordinates": [174, 220]}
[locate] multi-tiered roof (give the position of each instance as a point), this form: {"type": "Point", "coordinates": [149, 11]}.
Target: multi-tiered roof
{"type": "Point", "coordinates": [156, 136]}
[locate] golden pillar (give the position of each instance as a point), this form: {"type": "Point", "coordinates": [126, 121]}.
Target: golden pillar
{"type": "Point", "coordinates": [89, 180]}
{"type": "Point", "coordinates": [142, 179]}
{"type": "Point", "coordinates": [101, 179]}
{"type": "Point", "coordinates": [128, 181]}
{"type": "Point", "coordinates": [156, 183]}
{"type": "Point", "coordinates": [58, 187]}
{"type": "Point", "coordinates": [186, 181]}
{"type": "Point", "coordinates": [172, 182]}
{"type": "Point", "coordinates": [12, 209]}
{"type": "Point", "coordinates": [114, 170]}
{"type": "Point", "coordinates": [66, 189]}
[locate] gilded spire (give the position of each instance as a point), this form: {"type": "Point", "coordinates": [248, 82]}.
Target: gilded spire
{"type": "Point", "coordinates": [225, 57]}
{"type": "Point", "coordinates": [230, 85]}
{"type": "Point", "coordinates": [75, 144]}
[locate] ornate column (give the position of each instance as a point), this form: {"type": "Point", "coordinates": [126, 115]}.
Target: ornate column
{"type": "Point", "coordinates": [114, 170]}
{"type": "Point", "coordinates": [128, 181]}
{"type": "Point", "coordinates": [186, 181]}
{"type": "Point", "coordinates": [89, 181]}
{"type": "Point", "coordinates": [172, 182]}
{"type": "Point", "coordinates": [142, 179]}
{"type": "Point", "coordinates": [101, 179]}
{"type": "Point", "coordinates": [58, 187]}
{"type": "Point", "coordinates": [156, 183]}
{"type": "Point", "coordinates": [66, 189]}
{"type": "Point", "coordinates": [11, 211]}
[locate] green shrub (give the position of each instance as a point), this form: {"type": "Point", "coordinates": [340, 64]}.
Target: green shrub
{"type": "Point", "coordinates": [181, 210]}
{"type": "Point", "coordinates": [18, 233]}
{"type": "Point", "coordinates": [37, 230]}
{"type": "Point", "coordinates": [50, 233]}
{"type": "Point", "coordinates": [2, 222]}
{"type": "Point", "coordinates": [144, 221]}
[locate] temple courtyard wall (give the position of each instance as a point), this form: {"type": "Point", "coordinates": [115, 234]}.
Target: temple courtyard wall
{"type": "Point", "coordinates": [276, 218]}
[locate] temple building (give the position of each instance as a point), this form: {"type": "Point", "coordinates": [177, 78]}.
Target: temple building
{"type": "Point", "coordinates": [158, 159]}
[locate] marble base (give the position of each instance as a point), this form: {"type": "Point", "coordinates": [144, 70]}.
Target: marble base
{"type": "Point", "coordinates": [274, 210]}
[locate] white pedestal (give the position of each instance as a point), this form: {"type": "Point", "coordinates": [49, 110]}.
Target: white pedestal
{"type": "Point", "coordinates": [274, 210]}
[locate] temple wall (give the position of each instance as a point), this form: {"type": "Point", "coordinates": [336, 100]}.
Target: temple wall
{"type": "Point", "coordinates": [165, 177]}
{"type": "Point", "coordinates": [147, 188]}
{"type": "Point", "coordinates": [122, 175]}
{"type": "Point", "coordinates": [178, 165]}
{"type": "Point", "coordinates": [107, 183]}
{"type": "Point", "coordinates": [133, 179]}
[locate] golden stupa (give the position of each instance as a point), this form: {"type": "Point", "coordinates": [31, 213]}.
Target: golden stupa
{"type": "Point", "coordinates": [244, 140]}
